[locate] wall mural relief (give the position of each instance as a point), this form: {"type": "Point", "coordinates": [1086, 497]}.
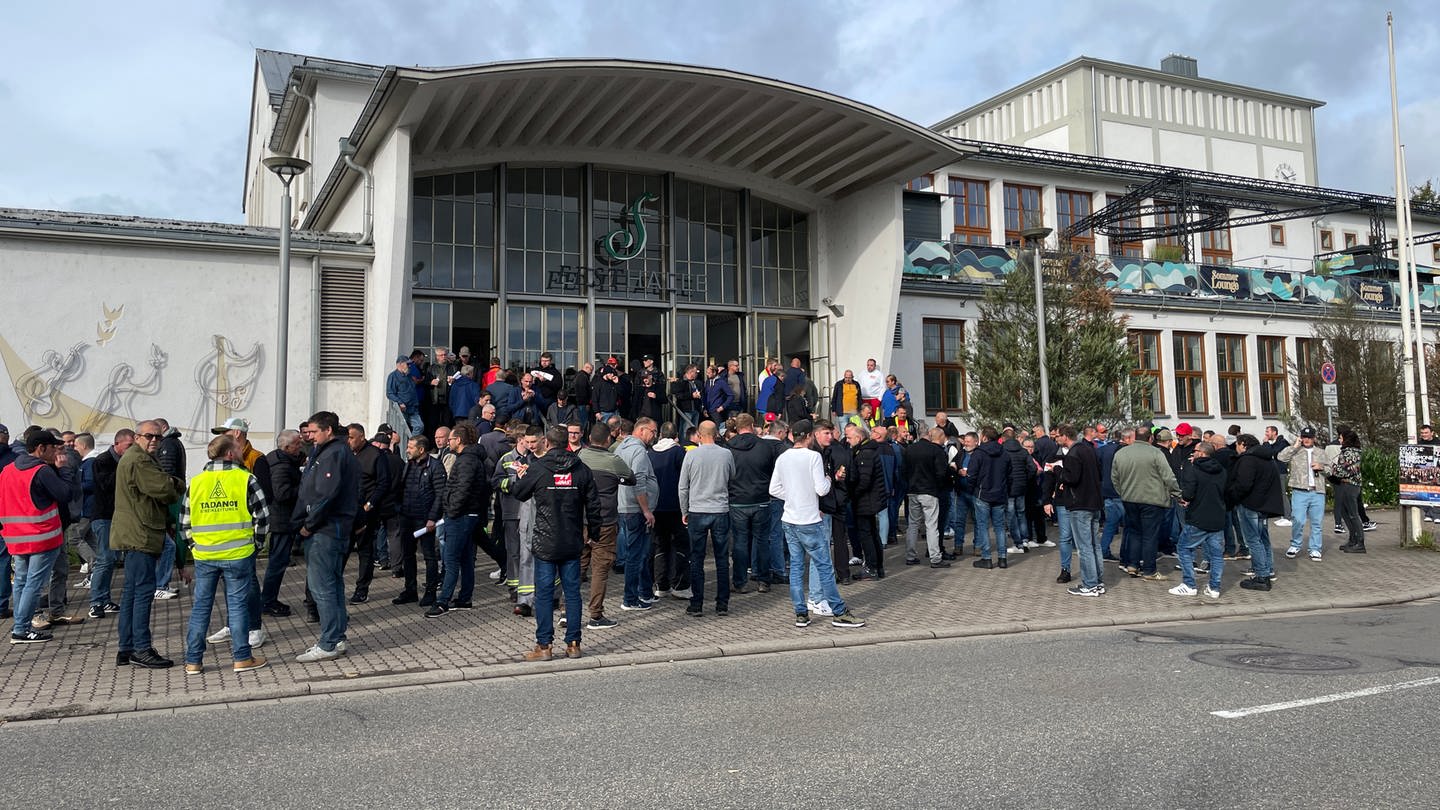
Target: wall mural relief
{"type": "Point", "coordinates": [226, 381]}
{"type": "Point", "coordinates": [116, 401]}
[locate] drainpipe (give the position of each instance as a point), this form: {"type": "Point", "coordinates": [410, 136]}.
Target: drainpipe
{"type": "Point", "coordinates": [314, 328]}
{"type": "Point", "coordinates": [309, 176]}
{"type": "Point", "coordinates": [348, 153]}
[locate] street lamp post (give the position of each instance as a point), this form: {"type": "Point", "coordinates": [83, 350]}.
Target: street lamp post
{"type": "Point", "coordinates": [287, 169]}
{"type": "Point", "coordinates": [1036, 237]}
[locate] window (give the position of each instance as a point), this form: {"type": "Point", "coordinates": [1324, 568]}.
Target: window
{"type": "Point", "coordinates": [1022, 210]}
{"type": "Point", "coordinates": [1307, 366]}
{"type": "Point", "coordinates": [1352, 239]}
{"type": "Point", "coordinates": [689, 340]}
{"type": "Point", "coordinates": [779, 256]}
{"type": "Point", "coordinates": [1189, 350]}
{"type": "Point", "coordinates": [454, 230]}
{"type": "Point", "coordinates": [1277, 235]}
{"type": "Point", "coordinates": [432, 324]}
{"type": "Point", "coordinates": [1230, 367]}
{"type": "Point", "coordinates": [944, 365]}
{"type": "Point", "coordinates": [1134, 250]}
{"type": "Point", "coordinates": [1435, 253]}
{"type": "Point", "coordinates": [542, 227]}
{"type": "Point", "coordinates": [1070, 207]}
{"type": "Point", "coordinates": [1148, 364]}
{"type": "Point", "coordinates": [1327, 240]}
{"type": "Point", "coordinates": [1167, 215]}
{"type": "Point", "coordinates": [707, 242]}
{"type": "Point", "coordinates": [1274, 393]}
{"type": "Point", "coordinates": [534, 329]}
{"type": "Point", "coordinates": [925, 182]}
{"type": "Point", "coordinates": [972, 210]}
{"type": "Point", "coordinates": [1215, 247]}
{"type": "Point", "coordinates": [613, 215]}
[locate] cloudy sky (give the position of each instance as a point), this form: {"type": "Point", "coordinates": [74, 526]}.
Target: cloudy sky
{"type": "Point", "coordinates": [141, 107]}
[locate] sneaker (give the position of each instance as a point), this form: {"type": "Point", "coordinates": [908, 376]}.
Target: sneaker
{"type": "Point", "coordinates": [1292, 552]}
{"type": "Point", "coordinates": [1064, 576]}
{"type": "Point", "coordinates": [436, 611]}
{"type": "Point", "coordinates": [1016, 550]}
{"type": "Point", "coordinates": [600, 623]}
{"type": "Point", "coordinates": [661, 593]}
{"type": "Point", "coordinates": [255, 662]}
{"type": "Point", "coordinates": [722, 610]}
{"type": "Point", "coordinates": [96, 612]}
{"type": "Point", "coordinates": [1048, 544]}
{"type": "Point", "coordinates": [30, 637]}
{"type": "Point", "coordinates": [641, 606]}
{"type": "Point", "coordinates": [821, 608]}
{"type": "Point", "coordinates": [572, 649]}
{"type": "Point", "coordinates": [462, 605]}
{"type": "Point", "coordinates": [1341, 529]}
{"type": "Point", "coordinates": [1131, 570]}
{"type": "Point", "coordinates": [166, 593]}
{"type": "Point", "coordinates": [694, 610]}
{"type": "Point", "coordinates": [847, 620]}
{"type": "Point", "coordinates": [1283, 522]}
{"type": "Point", "coordinates": [856, 561]}
{"type": "Point", "coordinates": [316, 653]}
{"type": "Point", "coordinates": [40, 622]}
{"type": "Point", "coordinates": [1183, 590]}
{"type": "Point", "coordinates": [427, 600]}
{"type": "Point", "coordinates": [83, 584]}
{"type": "Point", "coordinates": [1314, 556]}
{"type": "Point", "coordinates": [278, 609]}
{"type": "Point", "coordinates": [762, 587]}
{"type": "Point", "coordinates": [1156, 577]}
{"type": "Point", "coordinates": [194, 669]}
{"type": "Point", "coordinates": [948, 533]}
{"type": "Point", "coordinates": [802, 619]}
{"type": "Point", "coordinates": [84, 568]}
{"type": "Point", "coordinates": [542, 652]}
{"type": "Point", "coordinates": [1100, 589]}
{"type": "Point", "coordinates": [1255, 584]}
{"type": "Point", "coordinates": [1251, 573]}
{"type": "Point", "coordinates": [257, 639]}
{"type": "Point", "coordinates": [1370, 526]}
{"type": "Point", "coordinates": [359, 598]}
{"type": "Point", "coordinates": [111, 607]}
{"type": "Point", "coordinates": [1081, 590]}
{"type": "Point", "coordinates": [1211, 593]}
{"type": "Point", "coordinates": [223, 634]}
{"type": "Point", "coordinates": [682, 593]}
{"type": "Point", "coordinates": [1031, 544]}
{"type": "Point", "coordinates": [495, 577]}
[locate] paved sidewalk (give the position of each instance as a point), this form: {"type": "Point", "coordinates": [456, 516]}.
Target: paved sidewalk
{"type": "Point", "coordinates": [396, 646]}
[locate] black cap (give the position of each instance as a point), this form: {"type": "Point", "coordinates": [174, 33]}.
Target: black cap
{"type": "Point", "coordinates": [1010, 428]}
{"type": "Point", "coordinates": [804, 427]}
{"type": "Point", "coordinates": [1307, 433]}
{"type": "Point", "coordinates": [42, 438]}
{"type": "Point", "coordinates": [385, 428]}
{"type": "Point", "coordinates": [381, 438]}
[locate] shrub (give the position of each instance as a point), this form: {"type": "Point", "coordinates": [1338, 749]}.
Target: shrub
{"type": "Point", "coordinates": [1379, 477]}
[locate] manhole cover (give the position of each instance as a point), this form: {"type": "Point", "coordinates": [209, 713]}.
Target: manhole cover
{"type": "Point", "coordinates": [1278, 661]}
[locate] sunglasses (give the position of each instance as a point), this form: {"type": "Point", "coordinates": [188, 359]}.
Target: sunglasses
{"type": "Point", "coordinates": [151, 436]}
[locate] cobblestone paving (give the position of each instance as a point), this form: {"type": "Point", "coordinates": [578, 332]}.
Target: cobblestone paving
{"type": "Point", "coordinates": [396, 646]}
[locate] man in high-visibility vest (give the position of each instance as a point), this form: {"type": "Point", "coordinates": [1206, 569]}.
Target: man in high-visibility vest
{"type": "Point", "coordinates": [224, 517]}
{"type": "Point", "coordinates": [34, 502]}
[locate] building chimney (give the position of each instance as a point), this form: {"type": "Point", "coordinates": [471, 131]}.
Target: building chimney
{"type": "Point", "coordinates": [1180, 66]}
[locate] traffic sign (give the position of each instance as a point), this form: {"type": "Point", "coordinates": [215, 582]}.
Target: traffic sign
{"type": "Point", "coordinates": [1327, 373]}
{"type": "Point", "coordinates": [1331, 395]}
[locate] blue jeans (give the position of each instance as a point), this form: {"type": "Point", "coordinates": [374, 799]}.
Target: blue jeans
{"type": "Point", "coordinates": [413, 420]}
{"type": "Point", "coordinates": [769, 562]}
{"type": "Point", "coordinates": [137, 596]}
{"type": "Point", "coordinates": [1067, 536]}
{"type": "Point", "coordinates": [1141, 542]}
{"type": "Point", "coordinates": [281, 548]}
{"type": "Point", "coordinates": [325, 574]}
{"type": "Point", "coordinates": [749, 526]}
{"type": "Point", "coordinates": [32, 576]}
{"type": "Point", "coordinates": [989, 528]}
{"type": "Point", "coordinates": [1087, 542]}
{"type": "Point", "coordinates": [639, 582]}
{"type": "Point", "coordinates": [459, 560]}
{"type": "Point", "coordinates": [960, 509]}
{"type": "Point", "coordinates": [1114, 519]}
{"type": "Point", "coordinates": [1015, 521]}
{"type": "Point", "coordinates": [165, 565]}
{"type": "Point", "coordinates": [812, 541]}
{"type": "Point", "coordinates": [237, 575]}
{"type": "Point", "coordinates": [1213, 542]}
{"type": "Point", "coordinates": [1262, 557]}
{"type": "Point", "coordinates": [716, 527]}
{"type": "Point", "coordinates": [382, 542]}
{"type": "Point", "coordinates": [102, 571]}
{"type": "Point", "coordinates": [546, 572]}
{"type": "Point", "coordinates": [1307, 507]}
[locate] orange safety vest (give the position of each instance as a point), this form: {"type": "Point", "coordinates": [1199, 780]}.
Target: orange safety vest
{"type": "Point", "coordinates": [26, 528]}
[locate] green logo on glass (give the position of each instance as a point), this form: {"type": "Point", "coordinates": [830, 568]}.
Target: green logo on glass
{"type": "Point", "coordinates": [621, 244]}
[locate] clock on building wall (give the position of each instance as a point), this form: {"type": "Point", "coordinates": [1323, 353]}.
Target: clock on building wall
{"type": "Point", "coordinates": [1285, 172]}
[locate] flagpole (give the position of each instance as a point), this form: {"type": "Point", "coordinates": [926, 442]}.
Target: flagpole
{"type": "Point", "coordinates": [1421, 357]}
{"type": "Point", "coordinates": [1410, 520]}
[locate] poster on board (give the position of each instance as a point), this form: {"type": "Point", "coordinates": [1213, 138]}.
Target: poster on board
{"type": "Point", "coordinates": [1419, 475]}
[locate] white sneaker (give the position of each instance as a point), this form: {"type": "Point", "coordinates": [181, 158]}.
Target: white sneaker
{"type": "Point", "coordinates": [856, 561]}
{"type": "Point", "coordinates": [949, 532]}
{"type": "Point", "coordinates": [341, 647]}
{"type": "Point", "coordinates": [1048, 544]}
{"type": "Point", "coordinates": [820, 608]}
{"type": "Point", "coordinates": [1016, 550]}
{"type": "Point", "coordinates": [166, 593]}
{"type": "Point", "coordinates": [1314, 556]}
{"type": "Point", "coordinates": [257, 638]}
{"type": "Point", "coordinates": [682, 593]}
{"type": "Point", "coordinates": [84, 568]}
{"type": "Point", "coordinates": [1183, 590]}
{"type": "Point", "coordinates": [659, 594]}
{"type": "Point", "coordinates": [1211, 593]}
{"type": "Point", "coordinates": [223, 634]}
{"type": "Point", "coordinates": [83, 584]}
{"type": "Point", "coordinates": [1031, 544]}
{"type": "Point", "coordinates": [495, 575]}
{"type": "Point", "coordinates": [1283, 522]}
{"type": "Point", "coordinates": [315, 653]}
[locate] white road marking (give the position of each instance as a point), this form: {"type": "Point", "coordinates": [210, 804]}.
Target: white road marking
{"type": "Point", "coordinates": [1232, 714]}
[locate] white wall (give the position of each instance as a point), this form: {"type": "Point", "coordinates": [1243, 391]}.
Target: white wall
{"type": "Point", "coordinates": [861, 250]}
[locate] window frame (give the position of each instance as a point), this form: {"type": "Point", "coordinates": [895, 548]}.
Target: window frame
{"type": "Point", "coordinates": [1233, 380]}
{"type": "Point", "coordinates": [928, 179]}
{"type": "Point", "coordinates": [1136, 338]}
{"type": "Point", "coordinates": [1274, 379]}
{"type": "Point", "coordinates": [1352, 239]}
{"type": "Point", "coordinates": [1022, 214]}
{"type": "Point", "coordinates": [1327, 239]}
{"type": "Point", "coordinates": [1065, 215]}
{"type": "Point", "coordinates": [1308, 358]}
{"type": "Point", "coordinates": [1277, 234]}
{"type": "Point", "coordinates": [935, 404]}
{"type": "Point", "coordinates": [1217, 248]}
{"type": "Point", "coordinates": [970, 232]}
{"type": "Point", "coordinates": [1183, 374]}
{"type": "Point", "coordinates": [1134, 250]}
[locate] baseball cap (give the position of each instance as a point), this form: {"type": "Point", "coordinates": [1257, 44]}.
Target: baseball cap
{"type": "Point", "coordinates": [464, 351]}
{"type": "Point", "coordinates": [1307, 433]}
{"type": "Point", "coordinates": [612, 361]}
{"type": "Point", "coordinates": [1184, 429]}
{"type": "Point", "coordinates": [42, 438]}
{"type": "Point", "coordinates": [385, 428]}
{"type": "Point", "coordinates": [803, 427]}
{"type": "Point", "coordinates": [381, 438]}
{"type": "Point", "coordinates": [1010, 428]}
{"type": "Point", "coordinates": [4, 430]}
{"type": "Point", "coordinates": [233, 423]}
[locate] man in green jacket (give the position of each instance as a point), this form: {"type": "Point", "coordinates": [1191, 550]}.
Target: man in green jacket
{"type": "Point", "coordinates": [142, 493]}
{"type": "Point", "coordinates": [1142, 475]}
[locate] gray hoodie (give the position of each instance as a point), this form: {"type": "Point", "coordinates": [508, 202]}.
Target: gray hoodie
{"type": "Point", "coordinates": [705, 480]}
{"type": "Point", "coordinates": [634, 453]}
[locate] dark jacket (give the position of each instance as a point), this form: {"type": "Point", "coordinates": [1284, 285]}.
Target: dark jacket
{"type": "Point", "coordinates": [548, 388]}
{"type": "Point", "coordinates": [610, 472]}
{"type": "Point", "coordinates": [467, 489]}
{"type": "Point", "coordinates": [682, 391]}
{"type": "Point", "coordinates": [329, 490]}
{"type": "Point", "coordinates": [1046, 450]}
{"type": "Point", "coordinates": [1078, 478]}
{"type": "Point", "coordinates": [719, 399]}
{"type": "Point", "coordinates": [508, 468]}
{"type": "Point", "coordinates": [558, 414]}
{"type": "Point", "coordinates": [395, 490]}
{"type": "Point", "coordinates": [834, 457]}
{"type": "Point", "coordinates": [1106, 455]}
{"type": "Point", "coordinates": [506, 398]}
{"type": "Point", "coordinates": [667, 476]}
{"type": "Point", "coordinates": [989, 472]}
{"type": "Point", "coordinates": [869, 494]}
{"type": "Point", "coordinates": [142, 494]}
{"type": "Point", "coordinates": [464, 393]}
{"type": "Point", "coordinates": [1203, 488]}
{"type": "Point", "coordinates": [605, 390]}
{"type": "Point", "coordinates": [373, 481]}
{"type": "Point", "coordinates": [105, 465]}
{"type": "Point", "coordinates": [566, 500]}
{"type": "Point", "coordinates": [284, 489]}
{"type": "Point", "coordinates": [1255, 484]}
{"type": "Point", "coordinates": [1018, 469]}
{"type": "Point", "coordinates": [422, 482]}
{"type": "Point", "coordinates": [170, 455]}
{"type": "Point", "coordinates": [754, 463]}
{"type": "Point", "coordinates": [926, 472]}
{"type": "Point", "coordinates": [580, 389]}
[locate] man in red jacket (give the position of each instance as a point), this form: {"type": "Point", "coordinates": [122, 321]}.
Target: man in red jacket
{"type": "Point", "coordinates": [34, 503]}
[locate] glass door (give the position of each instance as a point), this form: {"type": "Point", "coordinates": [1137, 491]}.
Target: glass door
{"type": "Point", "coordinates": [690, 344]}
{"type": "Point", "coordinates": [432, 325]}
{"type": "Point", "coordinates": [611, 333]}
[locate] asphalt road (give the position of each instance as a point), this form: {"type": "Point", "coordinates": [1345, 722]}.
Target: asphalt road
{"type": "Point", "coordinates": [1097, 719]}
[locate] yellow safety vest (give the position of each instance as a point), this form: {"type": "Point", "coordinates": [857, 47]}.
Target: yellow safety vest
{"type": "Point", "coordinates": [220, 522]}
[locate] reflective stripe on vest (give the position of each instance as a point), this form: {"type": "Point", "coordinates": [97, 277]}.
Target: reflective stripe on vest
{"type": "Point", "coordinates": [26, 529]}
{"type": "Point", "coordinates": [220, 520]}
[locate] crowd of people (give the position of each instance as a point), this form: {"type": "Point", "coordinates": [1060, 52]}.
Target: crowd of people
{"type": "Point", "coordinates": [561, 478]}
